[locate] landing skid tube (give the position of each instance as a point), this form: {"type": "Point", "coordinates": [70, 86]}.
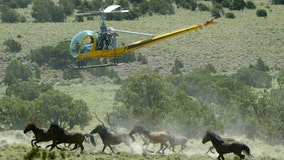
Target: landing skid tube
{"type": "Point", "coordinates": [72, 66]}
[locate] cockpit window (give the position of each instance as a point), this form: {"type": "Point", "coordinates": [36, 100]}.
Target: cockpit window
{"type": "Point", "coordinates": [83, 39]}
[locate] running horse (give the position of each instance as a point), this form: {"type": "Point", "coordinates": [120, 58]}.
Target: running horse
{"type": "Point", "coordinates": [223, 147]}
{"type": "Point", "coordinates": [224, 139]}
{"type": "Point", "coordinates": [40, 134]}
{"type": "Point", "coordinates": [161, 137]}
{"type": "Point", "coordinates": [109, 138]}
{"type": "Point", "coordinates": [59, 135]}
{"type": "Point", "coordinates": [174, 140]}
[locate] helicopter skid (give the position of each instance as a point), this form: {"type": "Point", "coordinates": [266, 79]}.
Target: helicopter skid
{"type": "Point", "coordinates": [72, 66]}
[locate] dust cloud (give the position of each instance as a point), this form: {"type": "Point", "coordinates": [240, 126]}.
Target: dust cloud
{"type": "Point", "coordinates": [258, 148]}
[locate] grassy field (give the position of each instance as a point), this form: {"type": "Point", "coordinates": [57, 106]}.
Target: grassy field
{"type": "Point", "coordinates": [229, 45]}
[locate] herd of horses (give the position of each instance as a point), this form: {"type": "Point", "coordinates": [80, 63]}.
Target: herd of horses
{"type": "Point", "coordinates": [58, 135]}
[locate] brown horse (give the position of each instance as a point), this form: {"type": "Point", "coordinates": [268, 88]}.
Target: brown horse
{"type": "Point", "coordinates": [178, 141]}
{"type": "Point", "coordinates": [225, 140]}
{"type": "Point", "coordinates": [109, 138]}
{"type": "Point", "coordinates": [40, 134]}
{"type": "Point", "coordinates": [161, 137]}
{"type": "Point", "coordinates": [223, 147]}
{"type": "Point", "coordinates": [59, 135]}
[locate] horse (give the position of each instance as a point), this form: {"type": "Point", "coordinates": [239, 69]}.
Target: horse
{"type": "Point", "coordinates": [161, 137]}
{"type": "Point", "coordinates": [59, 135]}
{"type": "Point", "coordinates": [178, 141]}
{"type": "Point", "coordinates": [224, 139]}
{"type": "Point", "coordinates": [41, 135]}
{"type": "Point", "coordinates": [109, 138]}
{"type": "Point", "coordinates": [223, 147]}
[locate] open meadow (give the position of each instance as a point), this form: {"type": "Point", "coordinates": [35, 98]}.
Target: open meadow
{"type": "Point", "coordinates": [228, 45]}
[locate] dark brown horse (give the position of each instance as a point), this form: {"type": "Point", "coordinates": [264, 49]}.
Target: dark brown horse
{"type": "Point", "coordinates": [178, 141]}
{"type": "Point", "coordinates": [225, 140]}
{"type": "Point", "coordinates": [223, 147]}
{"type": "Point", "coordinates": [59, 135]}
{"type": "Point", "coordinates": [40, 134]}
{"type": "Point", "coordinates": [161, 137]}
{"type": "Point", "coordinates": [109, 138]}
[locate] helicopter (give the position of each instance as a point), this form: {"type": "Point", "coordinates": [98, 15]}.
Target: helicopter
{"type": "Point", "coordinates": [103, 44]}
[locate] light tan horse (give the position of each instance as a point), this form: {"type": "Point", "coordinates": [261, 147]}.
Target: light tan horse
{"type": "Point", "coordinates": [161, 137]}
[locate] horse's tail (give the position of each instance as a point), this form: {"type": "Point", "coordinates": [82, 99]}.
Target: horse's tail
{"type": "Point", "coordinates": [92, 139]}
{"type": "Point", "coordinates": [247, 150]}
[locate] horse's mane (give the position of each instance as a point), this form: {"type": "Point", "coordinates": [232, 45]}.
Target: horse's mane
{"type": "Point", "coordinates": [31, 123]}
{"type": "Point", "coordinates": [55, 125]}
{"type": "Point", "coordinates": [214, 135]}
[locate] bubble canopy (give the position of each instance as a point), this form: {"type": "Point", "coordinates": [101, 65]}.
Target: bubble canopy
{"type": "Point", "coordinates": [78, 41]}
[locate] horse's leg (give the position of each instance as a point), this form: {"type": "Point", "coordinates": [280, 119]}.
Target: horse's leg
{"type": "Point", "coordinates": [221, 157]}
{"type": "Point", "coordinates": [166, 146]}
{"type": "Point", "coordinates": [182, 148]}
{"type": "Point", "coordinates": [160, 148]}
{"type": "Point", "coordinates": [111, 148]}
{"type": "Point", "coordinates": [32, 142]}
{"type": "Point", "coordinates": [104, 148]}
{"type": "Point", "coordinates": [82, 148]}
{"type": "Point", "coordinates": [242, 156]}
{"type": "Point", "coordinates": [36, 144]}
{"type": "Point", "coordinates": [52, 145]}
{"type": "Point", "coordinates": [76, 145]}
{"type": "Point", "coordinates": [210, 150]}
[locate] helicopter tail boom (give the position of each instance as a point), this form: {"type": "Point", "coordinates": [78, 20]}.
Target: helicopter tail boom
{"type": "Point", "coordinates": [143, 43]}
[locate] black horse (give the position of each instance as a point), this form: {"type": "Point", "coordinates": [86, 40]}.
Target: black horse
{"type": "Point", "coordinates": [223, 147]}
{"type": "Point", "coordinates": [109, 138]}
{"type": "Point", "coordinates": [59, 135]}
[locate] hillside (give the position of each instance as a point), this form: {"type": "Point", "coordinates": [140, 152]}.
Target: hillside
{"type": "Point", "coordinates": [229, 45]}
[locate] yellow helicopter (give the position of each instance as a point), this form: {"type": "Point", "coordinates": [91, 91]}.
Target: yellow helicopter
{"type": "Point", "coordinates": [103, 44]}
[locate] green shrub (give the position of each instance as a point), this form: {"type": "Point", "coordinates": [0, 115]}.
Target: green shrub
{"type": "Point", "coordinates": [250, 5]}
{"type": "Point", "coordinates": [16, 72]}
{"type": "Point", "coordinates": [237, 5]}
{"type": "Point", "coordinates": [230, 15]}
{"type": "Point", "coordinates": [277, 1]}
{"type": "Point", "coordinates": [12, 45]}
{"type": "Point", "coordinates": [202, 7]}
{"type": "Point", "coordinates": [9, 15]}
{"type": "Point", "coordinates": [32, 154]}
{"type": "Point", "coordinates": [261, 13]}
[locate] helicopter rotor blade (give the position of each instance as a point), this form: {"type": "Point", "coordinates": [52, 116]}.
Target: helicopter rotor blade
{"type": "Point", "coordinates": [110, 8]}
{"type": "Point", "coordinates": [129, 32]}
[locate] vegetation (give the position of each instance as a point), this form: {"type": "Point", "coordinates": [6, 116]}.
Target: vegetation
{"type": "Point", "coordinates": [12, 45]}
{"type": "Point", "coordinates": [183, 98]}
{"type": "Point", "coordinates": [28, 101]}
{"type": "Point", "coordinates": [148, 95]}
{"type": "Point", "coordinates": [16, 72]}
{"type": "Point", "coordinates": [261, 13]}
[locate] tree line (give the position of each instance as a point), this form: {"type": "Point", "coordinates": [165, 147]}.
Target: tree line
{"type": "Point", "coordinates": [48, 11]}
